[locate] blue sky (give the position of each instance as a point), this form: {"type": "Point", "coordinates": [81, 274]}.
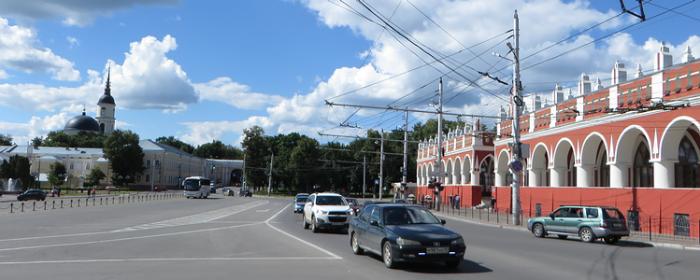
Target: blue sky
{"type": "Point", "coordinates": [203, 70]}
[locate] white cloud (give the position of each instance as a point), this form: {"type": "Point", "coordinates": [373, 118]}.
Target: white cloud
{"type": "Point", "coordinates": [19, 50]}
{"type": "Point", "coordinates": [74, 12]}
{"type": "Point", "coordinates": [542, 23]}
{"type": "Point", "coordinates": [148, 79]}
{"type": "Point", "coordinates": [203, 132]}
{"type": "Point", "coordinates": [225, 90]}
{"type": "Point", "coordinates": [72, 42]}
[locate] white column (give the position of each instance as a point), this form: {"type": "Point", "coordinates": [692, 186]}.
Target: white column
{"type": "Point", "coordinates": [475, 177]}
{"type": "Point", "coordinates": [499, 178]}
{"type": "Point", "coordinates": [556, 174]}
{"type": "Point", "coordinates": [584, 175]}
{"type": "Point", "coordinates": [664, 174]}
{"type": "Point", "coordinates": [618, 175]}
{"type": "Point", "coordinates": [532, 177]}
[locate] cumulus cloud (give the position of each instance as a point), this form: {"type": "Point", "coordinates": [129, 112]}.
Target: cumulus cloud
{"type": "Point", "coordinates": [148, 79]}
{"type": "Point", "coordinates": [74, 12]}
{"type": "Point", "coordinates": [72, 41]}
{"type": "Point", "coordinates": [542, 23]}
{"type": "Point", "coordinates": [225, 90]}
{"type": "Point", "coordinates": [39, 126]}
{"type": "Point", "coordinates": [19, 50]}
{"type": "Point", "coordinates": [203, 132]}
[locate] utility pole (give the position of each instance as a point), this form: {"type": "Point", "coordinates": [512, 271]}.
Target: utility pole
{"type": "Point", "coordinates": [517, 103]}
{"type": "Point", "coordinates": [439, 148]}
{"type": "Point", "coordinates": [404, 169]}
{"type": "Point", "coordinates": [243, 184]}
{"type": "Point", "coordinates": [364, 175]}
{"type": "Point", "coordinates": [381, 165]}
{"type": "Point", "coordinates": [269, 176]}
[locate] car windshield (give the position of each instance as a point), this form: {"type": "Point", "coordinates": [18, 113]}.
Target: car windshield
{"type": "Point", "coordinates": [301, 199]}
{"type": "Point", "coordinates": [329, 200]}
{"type": "Point", "coordinates": [612, 213]}
{"type": "Point", "coordinates": [408, 215]}
{"type": "Point", "coordinates": [192, 184]}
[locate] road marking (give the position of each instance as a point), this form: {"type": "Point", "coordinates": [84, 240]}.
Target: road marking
{"type": "Point", "coordinates": [262, 210]}
{"type": "Point", "coordinates": [141, 260]}
{"type": "Point", "coordinates": [125, 238]}
{"type": "Point", "coordinates": [198, 218]}
{"type": "Point", "coordinates": [90, 233]}
{"type": "Point", "coordinates": [267, 222]}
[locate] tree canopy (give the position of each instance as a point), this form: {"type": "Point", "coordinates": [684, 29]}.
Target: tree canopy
{"type": "Point", "coordinates": [17, 168]}
{"type": "Point", "coordinates": [82, 139]}
{"type": "Point", "coordinates": [218, 150]}
{"type": "Point", "coordinates": [125, 156]}
{"type": "Point", "coordinates": [57, 175]}
{"type": "Point", "coordinates": [5, 140]}
{"type": "Point", "coordinates": [174, 142]}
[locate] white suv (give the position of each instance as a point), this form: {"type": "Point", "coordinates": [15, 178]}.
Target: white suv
{"type": "Point", "coordinates": [326, 210]}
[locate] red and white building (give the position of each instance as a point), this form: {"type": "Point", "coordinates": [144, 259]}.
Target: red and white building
{"type": "Point", "coordinates": [633, 144]}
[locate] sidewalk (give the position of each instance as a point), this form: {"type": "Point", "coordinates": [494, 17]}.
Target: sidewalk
{"type": "Point", "coordinates": [485, 217]}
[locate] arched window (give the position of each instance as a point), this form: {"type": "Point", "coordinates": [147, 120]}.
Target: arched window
{"type": "Point", "coordinates": [486, 176]}
{"type": "Point", "coordinates": [642, 169]}
{"type": "Point", "coordinates": [570, 169]}
{"type": "Point", "coordinates": [602, 169]}
{"type": "Point", "coordinates": [687, 166]}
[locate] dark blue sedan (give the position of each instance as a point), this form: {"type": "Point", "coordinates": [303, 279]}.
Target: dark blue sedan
{"type": "Point", "coordinates": [405, 233]}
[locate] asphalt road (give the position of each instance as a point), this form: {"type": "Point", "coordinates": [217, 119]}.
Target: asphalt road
{"type": "Point", "coordinates": [251, 238]}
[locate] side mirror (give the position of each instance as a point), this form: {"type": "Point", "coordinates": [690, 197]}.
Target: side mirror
{"type": "Point", "coordinates": [374, 223]}
{"type": "Point", "coordinates": [551, 216]}
{"type": "Point", "coordinates": [442, 221]}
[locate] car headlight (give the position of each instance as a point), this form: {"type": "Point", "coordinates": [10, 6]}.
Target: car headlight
{"type": "Point", "coordinates": [349, 211]}
{"type": "Point", "coordinates": [407, 242]}
{"type": "Point", "coordinates": [458, 241]}
{"type": "Point", "coordinates": [323, 212]}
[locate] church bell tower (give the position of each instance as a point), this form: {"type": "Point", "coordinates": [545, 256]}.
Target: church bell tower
{"type": "Point", "coordinates": [105, 110]}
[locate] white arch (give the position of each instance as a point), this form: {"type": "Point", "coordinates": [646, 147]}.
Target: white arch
{"type": "Point", "coordinates": [501, 168]}
{"type": "Point", "coordinates": [557, 152]}
{"type": "Point", "coordinates": [467, 170]}
{"type": "Point", "coordinates": [627, 147]}
{"type": "Point", "coordinates": [589, 137]}
{"type": "Point", "coordinates": [668, 146]}
{"type": "Point", "coordinates": [538, 172]}
{"type": "Point", "coordinates": [483, 159]}
{"type": "Point", "coordinates": [448, 172]}
{"type": "Point", "coordinates": [457, 171]}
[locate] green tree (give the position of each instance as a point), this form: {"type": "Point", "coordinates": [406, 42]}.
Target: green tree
{"type": "Point", "coordinates": [303, 160]}
{"type": "Point", "coordinates": [257, 152]}
{"type": "Point", "coordinates": [95, 176]}
{"type": "Point", "coordinates": [82, 139]}
{"type": "Point", "coordinates": [17, 168]}
{"type": "Point", "coordinates": [37, 141]}
{"type": "Point", "coordinates": [57, 175]}
{"type": "Point", "coordinates": [5, 140]}
{"type": "Point", "coordinates": [218, 150]}
{"type": "Point", "coordinates": [174, 142]}
{"type": "Point", "coordinates": [125, 155]}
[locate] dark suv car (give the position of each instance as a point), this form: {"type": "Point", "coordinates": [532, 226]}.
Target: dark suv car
{"type": "Point", "coordinates": [32, 194]}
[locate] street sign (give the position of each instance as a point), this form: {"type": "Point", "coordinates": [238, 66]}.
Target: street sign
{"type": "Point", "coordinates": [516, 166]}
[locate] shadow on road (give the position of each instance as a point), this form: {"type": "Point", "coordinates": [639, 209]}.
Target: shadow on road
{"type": "Point", "coordinates": [621, 243]}
{"type": "Point", "coordinates": [467, 266]}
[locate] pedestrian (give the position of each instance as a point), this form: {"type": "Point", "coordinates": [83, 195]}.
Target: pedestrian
{"type": "Point", "coordinates": [458, 199]}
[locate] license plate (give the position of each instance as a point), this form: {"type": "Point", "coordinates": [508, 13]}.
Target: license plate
{"type": "Point", "coordinates": [617, 225]}
{"type": "Point", "coordinates": [437, 250]}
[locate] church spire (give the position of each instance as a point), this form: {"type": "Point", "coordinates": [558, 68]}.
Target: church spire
{"type": "Point", "coordinates": [108, 90]}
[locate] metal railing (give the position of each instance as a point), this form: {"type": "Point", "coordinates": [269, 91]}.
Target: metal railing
{"type": "Point", "coordinates": [76, 202]}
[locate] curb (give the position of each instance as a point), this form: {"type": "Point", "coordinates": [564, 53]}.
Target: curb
{"type": "Point", "coordinates": [510, 227]}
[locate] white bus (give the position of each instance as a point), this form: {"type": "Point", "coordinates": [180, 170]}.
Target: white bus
{"type": "Point", "coordinates": [196, 187]}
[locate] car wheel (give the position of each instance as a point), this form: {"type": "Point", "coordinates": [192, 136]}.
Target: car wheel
{"type": "Point", "coordinates": [303, 220]}
{"type": "Point", "coordinates": [611, 240]}
{"type": "Point", "coordinates": [314, 226]}
{"type": "Point", "coordinates": [355, 245]}
{"type": "Point", "coordinates": [453, 263]}
{"type": "Point", "coordinates": [586, 234]}
{"type": "Point", "coordinates": [538, 230]}
{"type": "Point", "coordinates": [562, 236]}
{"type": "Point", "coordinates": [387, 256]}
